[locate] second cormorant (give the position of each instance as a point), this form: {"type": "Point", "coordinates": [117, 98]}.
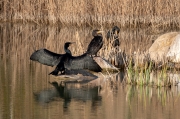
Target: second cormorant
{"type": "Point", "coordinates": [96, 43]}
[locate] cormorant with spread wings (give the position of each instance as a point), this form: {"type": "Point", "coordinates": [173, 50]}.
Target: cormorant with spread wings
{"type": "Point", "coordinates": [65, 61]}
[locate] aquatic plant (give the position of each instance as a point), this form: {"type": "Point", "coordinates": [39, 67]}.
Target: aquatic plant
{"type": "Point", "coordinates": [148, 75]}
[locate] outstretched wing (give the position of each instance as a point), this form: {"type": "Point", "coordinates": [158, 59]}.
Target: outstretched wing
{"type": "Point", "coordinates": [46, 57]}
{"type": "Point", "coordinates": [82, 62]}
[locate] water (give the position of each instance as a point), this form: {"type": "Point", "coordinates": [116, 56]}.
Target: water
{"type": "Point", "coordinates": [26, 91]}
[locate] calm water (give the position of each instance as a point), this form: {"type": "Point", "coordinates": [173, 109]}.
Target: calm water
{"type": "Point", "coordinates": [26, 91]}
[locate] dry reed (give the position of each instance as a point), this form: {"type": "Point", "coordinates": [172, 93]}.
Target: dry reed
{"type": "Point", "coordinates": [132, 13]}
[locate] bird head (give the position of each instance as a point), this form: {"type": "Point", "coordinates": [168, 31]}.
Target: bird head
{"type": "Point", "coordinates": [67, 44]}
{"type": "Point", "coordinates": [97, 32]}
{"type": "Point", "coordinates": [115, 30]}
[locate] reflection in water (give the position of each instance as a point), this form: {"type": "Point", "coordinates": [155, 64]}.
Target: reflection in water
{"type": "Point", "coordinates": [23, 83]}
{"type": "Point", "coordinates": [67, 92]}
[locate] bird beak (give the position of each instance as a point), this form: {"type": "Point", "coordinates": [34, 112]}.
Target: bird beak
{"type": "Point", "coordinates": [116, 32]}
{"type": "Point", "coordinates": [100, 32]}
{"type": "Point", "coordinates": [72, 43]}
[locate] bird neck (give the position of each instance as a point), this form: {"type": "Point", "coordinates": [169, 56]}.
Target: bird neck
{"type": "Point", "coordinates": [98, 36]}
{"type": "Point", "coordinates": [67, 50]}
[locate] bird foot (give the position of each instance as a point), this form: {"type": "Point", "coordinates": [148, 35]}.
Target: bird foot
{"type": "Point", "coordinates": [62, 72]}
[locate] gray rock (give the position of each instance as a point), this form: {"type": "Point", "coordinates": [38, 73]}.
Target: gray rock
{"type": "Point", "coordinates": [104, 64]}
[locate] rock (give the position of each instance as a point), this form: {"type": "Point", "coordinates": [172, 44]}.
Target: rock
{"type": "Point", "coordinates": [104, 64]}
{"type": "Point", "coordinates": [174, 52]}
{"type": "Point", "coordinates": [160, 47]}
{"type": "Point", "coordinates": [73, 75]}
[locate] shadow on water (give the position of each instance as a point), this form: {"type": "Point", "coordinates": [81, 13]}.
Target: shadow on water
{"type": "Point", "coordinates": [25, 84]}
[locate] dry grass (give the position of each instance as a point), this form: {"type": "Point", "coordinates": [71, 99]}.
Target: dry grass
{"type": "Point", "coordinates": [132, 13]}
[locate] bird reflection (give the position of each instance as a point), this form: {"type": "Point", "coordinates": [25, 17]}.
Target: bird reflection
{"type": "Point", "coordinates": [63, 91]}
{"type": "Point", "coordinates": [60, 90]}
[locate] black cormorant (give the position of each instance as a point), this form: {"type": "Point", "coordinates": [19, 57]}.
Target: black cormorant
{"type": "Point", "coordinates": [96, 43]}
{"type": "Point", "coordinates": [70, 62]}
{"type": "Point", "coordinates": [112, 35]}
{"type": "Point", "coordinates": [65, 61]}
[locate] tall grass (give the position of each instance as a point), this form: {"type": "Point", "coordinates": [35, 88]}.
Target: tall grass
{"type": "Point", "coordinates": [133, 13]}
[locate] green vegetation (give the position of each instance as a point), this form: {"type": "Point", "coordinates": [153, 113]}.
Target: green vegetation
{"type": "Point", "coordinates": [147, 75]}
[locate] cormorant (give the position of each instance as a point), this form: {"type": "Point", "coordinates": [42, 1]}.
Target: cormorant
{"type": "Point", "coordinates": [65, 61]}
{"type": "Point", "coordinates": [96, 43]}
{"type": "Point", "coordinates": [70, 62]}
{"type": "Point", "coordinates": [113, 35]}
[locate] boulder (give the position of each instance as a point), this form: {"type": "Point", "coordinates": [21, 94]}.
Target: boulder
{"type": "Point", "coordinates": [174, 51]}
{"type": "Point", "coordinates": [76, 74]}
{"type": "Point", "coordinates": [160, 48]}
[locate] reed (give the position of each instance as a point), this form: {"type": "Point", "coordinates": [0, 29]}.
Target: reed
{"type": "Point", "coordinates": [148, 76]}
{"type": "Point", "coordinates": [132, 13]}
